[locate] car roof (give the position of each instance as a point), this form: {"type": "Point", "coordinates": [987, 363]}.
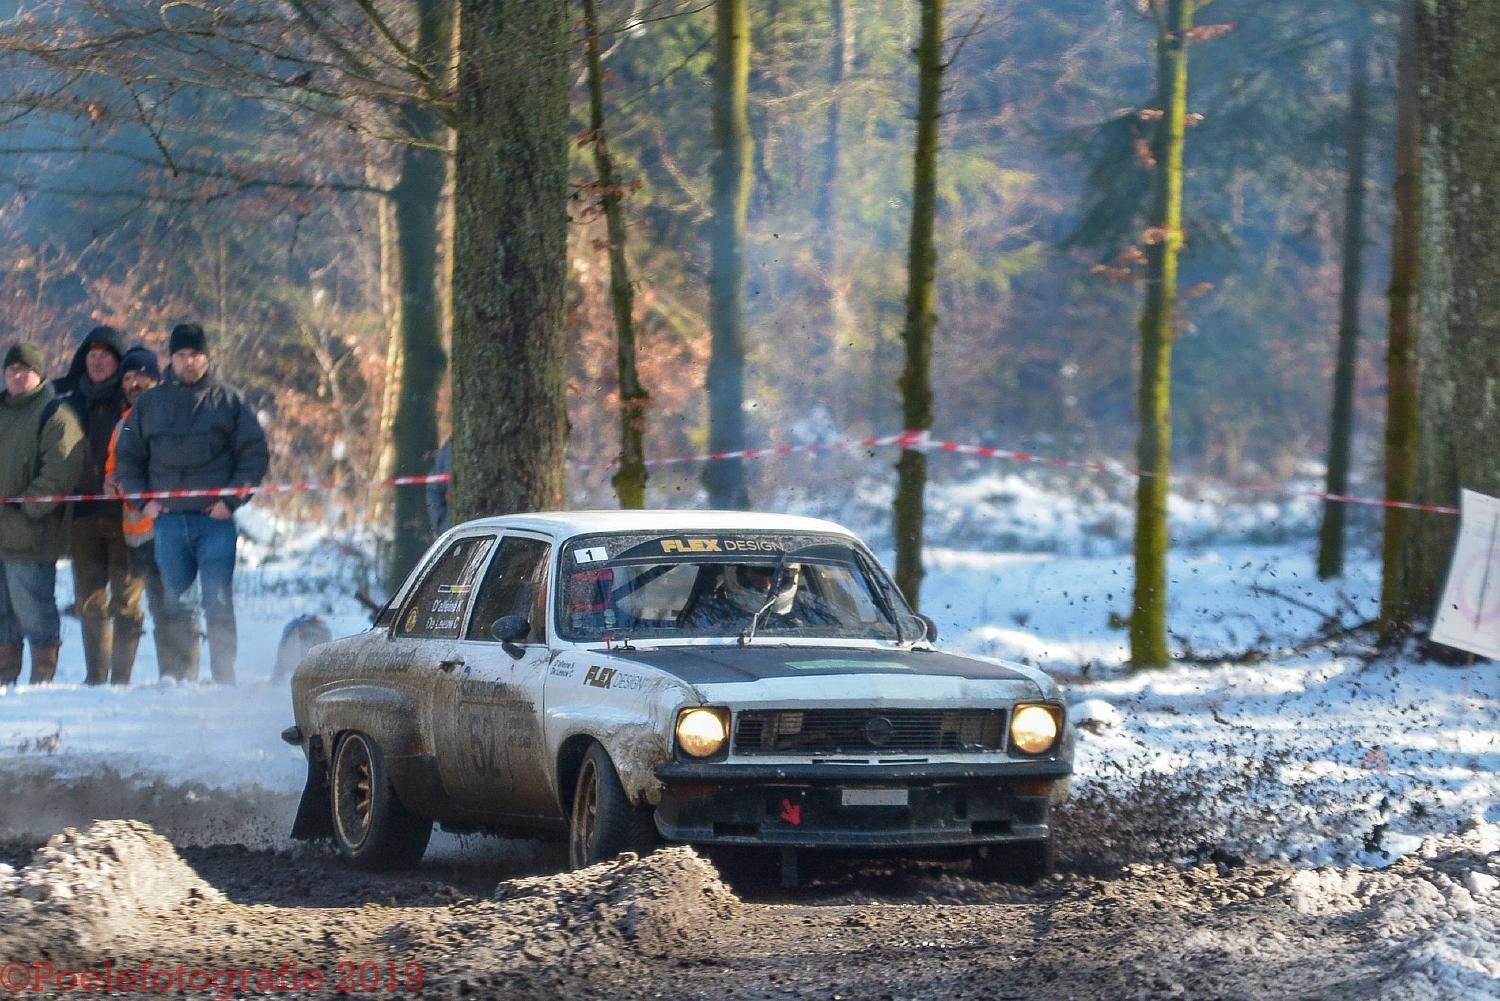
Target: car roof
{"type": "Point", "coordinates": [566, 524]}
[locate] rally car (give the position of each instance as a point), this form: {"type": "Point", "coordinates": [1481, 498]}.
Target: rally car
{"type": "Point", "coordinates": [622, 678]}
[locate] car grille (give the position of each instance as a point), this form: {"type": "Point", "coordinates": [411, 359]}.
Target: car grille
{"type": "Point", "coordinates": [865, 731]}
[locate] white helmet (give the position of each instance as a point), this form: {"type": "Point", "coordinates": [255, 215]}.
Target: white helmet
{"type": "Point", "coordinates": [749, 586]}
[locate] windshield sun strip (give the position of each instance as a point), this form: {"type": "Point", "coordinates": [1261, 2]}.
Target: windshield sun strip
{"type": "Point", "coordinates": [841, 553]}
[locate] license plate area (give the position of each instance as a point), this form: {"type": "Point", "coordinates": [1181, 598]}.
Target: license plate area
{"type": "Point", "coordinates": [876, 797]}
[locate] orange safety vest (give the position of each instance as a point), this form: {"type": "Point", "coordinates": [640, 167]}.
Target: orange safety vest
{"type": "Point", "coordinates": [139, 528]}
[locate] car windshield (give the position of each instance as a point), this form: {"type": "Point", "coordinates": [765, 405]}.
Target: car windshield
{"type": "Point", "coordinates": [694, 585]}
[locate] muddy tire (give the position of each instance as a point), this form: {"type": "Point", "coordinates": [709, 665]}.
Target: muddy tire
{"type": "Point", "coordinates": [1020, 862]}
{"type": "Point", "coordinates": [371, 826]}
{"type": "Point", "coordinates": [604, 822]}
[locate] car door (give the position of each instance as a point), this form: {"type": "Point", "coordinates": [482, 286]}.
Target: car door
{"type": "Point", "coordinates": [422, 645]}
{"type": "Point", "coordinates": [490, 749]}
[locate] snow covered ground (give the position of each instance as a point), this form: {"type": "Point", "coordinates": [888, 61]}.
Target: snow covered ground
{"type": "Point", "coordinates": [1327, 756]}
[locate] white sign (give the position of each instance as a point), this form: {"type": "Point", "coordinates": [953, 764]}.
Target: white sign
{"type": "Point", "coordinates": [1468, 614]}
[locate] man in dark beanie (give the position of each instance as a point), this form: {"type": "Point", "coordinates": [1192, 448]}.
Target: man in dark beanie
{"type": "Point", "coordinates": [194, 432]}
{"type": "Point", "coordinates": [106, 592]}
{"type": "Point", "coordinates": [41, 455]}
{"type": "Point", "coordinates": [143, 360]}
{"type": "Point", "coordinates": [139, 374]}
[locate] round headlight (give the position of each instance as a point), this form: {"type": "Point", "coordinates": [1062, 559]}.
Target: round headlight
{"type": "Point", "coordinates": [1033, 729]}
{"type": "Point", "coordinates": [702, 732]}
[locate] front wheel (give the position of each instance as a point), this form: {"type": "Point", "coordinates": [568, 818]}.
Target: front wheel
{"type": "Point", "coordinates": [1022, 862]}
{"type": "Point", "coordinates": [604, 822]}
{"type": "Point", "coordinates": [372, 827]}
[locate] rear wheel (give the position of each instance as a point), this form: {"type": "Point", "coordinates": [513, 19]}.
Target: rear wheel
{"type": "Point", "coordinates": [1022, 862]}
{"type": "Point", "coordinates": [372, 827]}
{"type": "Point", "coordinates": [604, 822]}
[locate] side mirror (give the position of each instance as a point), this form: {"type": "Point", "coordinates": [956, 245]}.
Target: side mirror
{"type": "Point", "coordinates": [509, 628]}
{"type": "Point", "coordinates": [930, 626]}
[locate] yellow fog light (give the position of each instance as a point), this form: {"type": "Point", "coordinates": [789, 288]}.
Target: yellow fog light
{"type": "Point", "coordinates": [1033, 729]}
{"type": "Point", "coordinates": [702, 732]}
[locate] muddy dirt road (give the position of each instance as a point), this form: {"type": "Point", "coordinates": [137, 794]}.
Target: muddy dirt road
{"type": "Point", "coordinates": [667, 926]}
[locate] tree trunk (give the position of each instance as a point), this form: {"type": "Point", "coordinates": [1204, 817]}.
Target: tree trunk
{"type": "Point", "coordinates": [418, 198]}
{"type": "Point", "coordinates": [921, 315]}
{"type": "Point", "coordinates": [630, 480]}
{"type": "Point", "coordinates": [1401, 352]}
{"type": "Point", "coordinates": [510, 423]}
{"type": "Point", "coordinates": [1148, 617]}
{"type": "Point", "coordinates": [831, 344]}
{"type": "Point", "coordinates": [732, 178]}
{"type": "Point", "coordinates": [1341, 421]}
{"type": "Point", "coordinates": [826, 214]}
{"type": "Point", "coordinates": [380, 498]}
{"type": "Point", "coordinates": [1459, 252]}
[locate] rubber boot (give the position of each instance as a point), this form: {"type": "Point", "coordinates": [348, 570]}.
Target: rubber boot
{"type": "Point", "coordinates": [10, 663]}
{"type": "Point", "coordinates": [177, 649]}
{"type": "Point", "coordinates": [162, 639]}
{"type": "Point", "coordinates": [44, 664]}
{"type": "Point", "coordinates": [122, 656]}
{"type": "Point", "coordinates": [96, 649]}
{"type": "Point", "coordinates": [221, 654]}
{"type": "Point", "coordinates": [192, 649]}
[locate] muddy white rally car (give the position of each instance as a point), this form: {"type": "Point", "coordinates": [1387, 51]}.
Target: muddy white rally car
{"type": "Point", "coordinates": [718, 678]}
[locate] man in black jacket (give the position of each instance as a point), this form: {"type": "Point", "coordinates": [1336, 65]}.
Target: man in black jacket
{"type": "Point", "coordinates": [194, 432]}
{"type": "Point", "coordinates": [106, 593]}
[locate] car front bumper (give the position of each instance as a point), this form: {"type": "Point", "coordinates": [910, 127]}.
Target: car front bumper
{"type": "Point", "coordinates": [857, 806]}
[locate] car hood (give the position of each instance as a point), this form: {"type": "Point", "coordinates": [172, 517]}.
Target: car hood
{"type": "Point", "coordinates": [720, 665]}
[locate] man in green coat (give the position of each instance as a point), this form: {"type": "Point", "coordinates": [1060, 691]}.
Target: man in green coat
{"type": "Point", "coordinates": [41, 455]}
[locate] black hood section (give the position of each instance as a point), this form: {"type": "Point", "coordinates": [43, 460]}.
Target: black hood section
{"type": "Point", "coordinates": [110, 338]}
{"type": "Point", "coordinates": [718, 665]}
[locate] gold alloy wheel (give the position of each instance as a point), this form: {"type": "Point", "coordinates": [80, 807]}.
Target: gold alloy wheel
{"type": "Point", "coordinates": [585, 828]}
{"type": "Point", "coordinates": [352, 795]}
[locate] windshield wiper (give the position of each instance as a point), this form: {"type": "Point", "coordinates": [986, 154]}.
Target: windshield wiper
{"type": "Point", "coordinates": [890, 597]}
{"type": "Point", "coordinates": [748, 636]}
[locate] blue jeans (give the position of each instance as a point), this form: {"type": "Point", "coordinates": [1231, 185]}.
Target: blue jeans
{"type": "Point", "coordinates": [192, 545]}
{"type": "Point", "coordinates": [171, 661]}
{"type": "Point", "coordinates": [28, 603]}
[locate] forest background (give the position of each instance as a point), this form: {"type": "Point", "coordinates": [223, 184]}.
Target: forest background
{"type": "Point", "coordinates": [230, 164]}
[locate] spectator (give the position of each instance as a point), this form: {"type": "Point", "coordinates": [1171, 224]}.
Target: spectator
{"type": "Point", "coordinates": [440, 495]}
{"type": "Point", "coordinates": [106, 592]}
{"type": "Point", "coordinates": [194, 432]}
{"type": "Point", "coordinates": [139, 373]}
{"type": "Point", "coordinates": [41, 455]}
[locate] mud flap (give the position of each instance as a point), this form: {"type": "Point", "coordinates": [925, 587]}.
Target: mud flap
{"type": "Point", "coordinates": [315, 813]}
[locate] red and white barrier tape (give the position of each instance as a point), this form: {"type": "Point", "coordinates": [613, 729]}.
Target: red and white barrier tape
{"type": "Point", "coordinates": [907, 439]}
{"type": "Point", "coordinates": [1095, 467]}
{"type": "Point", "coordinates": [265, 488]}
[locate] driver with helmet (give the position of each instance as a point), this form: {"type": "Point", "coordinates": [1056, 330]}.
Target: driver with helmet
{"type": "Point", "coordinates": [727, 597]}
